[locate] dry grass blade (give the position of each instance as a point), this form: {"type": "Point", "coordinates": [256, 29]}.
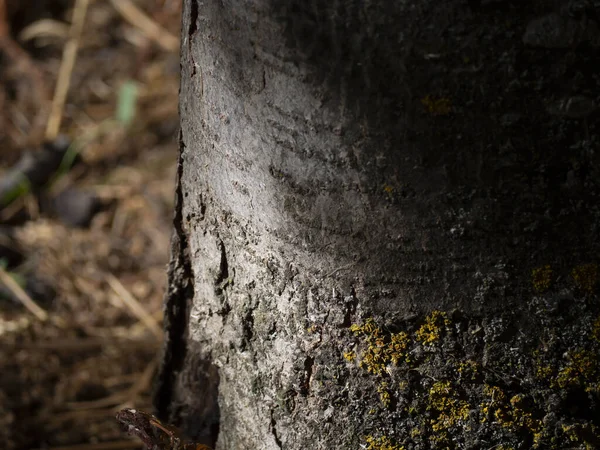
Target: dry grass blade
{"type": "Point", "coordinates": [116, 445]}
{"type": "Point", "coordinates": [22, 296]}
{"type": "Point", "coordinates": [137, 18]}
{"type": "Point", "coordinates": [44, 28]}
{"type": "Point", "coordinates": [66, 67]}
{"type": "Point", "coordinates": [134, 306]}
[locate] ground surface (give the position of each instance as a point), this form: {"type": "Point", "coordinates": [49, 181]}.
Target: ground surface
{"type": "Point", "coordinates": [62, 379]}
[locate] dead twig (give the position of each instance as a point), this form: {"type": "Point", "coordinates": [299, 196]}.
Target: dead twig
{"type": "Point", "coordinates": [66, 68]}
{"type": "Point", "coordinates": [150, 28]}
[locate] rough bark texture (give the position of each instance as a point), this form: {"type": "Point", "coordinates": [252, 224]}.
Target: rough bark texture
{"type": "Point", "coordinates": [386, 226]}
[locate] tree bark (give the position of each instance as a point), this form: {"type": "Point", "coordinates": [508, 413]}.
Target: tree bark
{"type": "Point", "coordinates": [386, 228]}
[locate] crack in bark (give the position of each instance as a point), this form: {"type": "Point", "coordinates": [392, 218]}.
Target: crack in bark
{"type": "Point", "coordinates": [309, 362]}
{"type": "Point", "coordinates": [247, 328]}
{"type": "Point", "coordinates": [350, 307]}
{"type": "Point", "coordinates": [223, 265]}
{"type": "Point", "coordinates": [193, 27]}
{"type": "Point", "coordinates": [222, 281]}
{"type": "Point", "coordinates": [274, 431]}
{"type": "Point", "coordinates": [177, 305]}
{"type": "Point", "coordinates": [194, 18]}
{"type": "Point", "coordinates": [288, 276]}
{"type": "Point", "coordinates": [178, 358]}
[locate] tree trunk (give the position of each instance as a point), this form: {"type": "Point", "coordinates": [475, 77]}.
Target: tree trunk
{"type": "Point", "coordinates": [386, 229]}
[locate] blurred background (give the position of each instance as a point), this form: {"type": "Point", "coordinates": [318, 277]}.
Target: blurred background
{"type": "Point", "coordinates": [88, 150]}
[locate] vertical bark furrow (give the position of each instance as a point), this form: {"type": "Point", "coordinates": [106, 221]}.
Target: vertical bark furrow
{"type": "Point", "coordinates": [178, 299]}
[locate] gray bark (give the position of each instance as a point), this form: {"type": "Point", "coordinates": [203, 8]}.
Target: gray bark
{"type": "Point", "coordinates": [351, 160]}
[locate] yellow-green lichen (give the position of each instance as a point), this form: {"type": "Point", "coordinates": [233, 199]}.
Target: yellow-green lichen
{"type": "Point", "coordinates": [582, 434]}
{"type": "Point", "coordinates": [585, 277]}
{"type": "Point", "coordinates": [595, 334]}
{"type": "Point", "coordinates": [580, 370]}
{"type": "Point", "coordinates": [543, 371]}
{"type": "Point", "coordinates": [397, 347]}
{"type": "Point", "coordinates": [415, 433]}
{"type": "Point", "coordinates": [382, 349]}
{"type": "Point", "coordinates": [349, 356]}
{"type": "Point", "coordinates": [468, 370]}
{"type": "Point", "coordinates": [369, 329]}
{"type": "Point", "coordinates": [431, 331]}
{"type": "Point", "coordinates": [513, 414]}
{"type": "Point", "coordinates": [437, 106]}
{"type": "Point", "coordinates": [441, 414]}
{"type": "Point", "coordinates": [384, 394]}
{"type": "Point", "coordinates": [450, 409]}
{"type": "Point", "coordinates": [381, 443]}
{"type": "Point", "coordinates": [541, 278]}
